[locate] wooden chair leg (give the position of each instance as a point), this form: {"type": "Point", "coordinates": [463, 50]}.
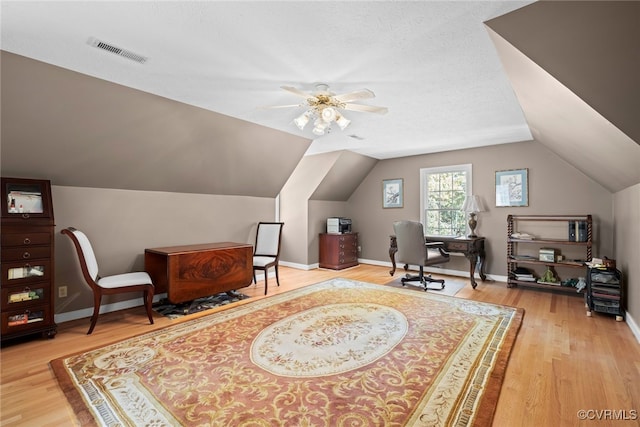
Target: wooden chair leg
{"type": "Point", "coordinates": [97, 298]}
{"type": "Point", "coordinates": [265, 280]}
{"type": "Point", "coordinates": [254, 276]}
{"type": "Point", "coordinates": [277, 278]}
{"type": "Point", "coordinates": [148, 302]}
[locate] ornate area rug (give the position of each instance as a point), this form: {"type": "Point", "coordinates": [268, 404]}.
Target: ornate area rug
{"type": "Point", "coordinates": [337, 353]}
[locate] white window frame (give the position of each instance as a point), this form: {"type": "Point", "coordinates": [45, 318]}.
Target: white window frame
{"type": "Point", "coordinates": [425, 172]}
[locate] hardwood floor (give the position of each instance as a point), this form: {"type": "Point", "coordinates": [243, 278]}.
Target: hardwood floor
{"type": "Point", "coordinates": [562, 362]}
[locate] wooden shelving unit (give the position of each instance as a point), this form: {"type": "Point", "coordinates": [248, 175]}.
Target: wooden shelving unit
{"type": "Point", "coordinates": [517, 246]}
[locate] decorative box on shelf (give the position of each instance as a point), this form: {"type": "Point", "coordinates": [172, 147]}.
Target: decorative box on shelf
{"type": "Point", "coordinates": [548, 254]}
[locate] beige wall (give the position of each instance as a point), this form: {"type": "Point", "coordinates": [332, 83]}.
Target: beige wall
{"type": "Point", "coordinates": [317, 189]}
{"type": "Point", "coordinates": [627, 236]}
{"type": "Point", "coordinates": [555, 187]}
{"type": "Point", "coordinates": [122, 223]}
{"type": "Point", "coordinates": [294, 209]}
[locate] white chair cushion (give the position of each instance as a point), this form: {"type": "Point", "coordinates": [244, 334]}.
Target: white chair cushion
{"type": "Point", "coordinates": [126, 279]}
{"type": "Point", "coordinates": [268, 239]}
{"type": "Point", "coordinates": [87, 252]}
{"type": "Point", "coordinates": [261, 261]}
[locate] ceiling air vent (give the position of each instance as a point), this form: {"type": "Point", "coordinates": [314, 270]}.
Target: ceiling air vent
{"type": "Point", "coordinates": [118, 51]}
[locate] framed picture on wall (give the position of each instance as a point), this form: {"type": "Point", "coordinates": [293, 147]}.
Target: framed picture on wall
{"type": "Point", "coordinates": [512, 187]}
{"type": "Point", "coordinates": [392, 193]}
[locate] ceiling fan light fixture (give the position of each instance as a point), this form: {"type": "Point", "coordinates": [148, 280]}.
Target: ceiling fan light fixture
{"type": "Point", "coordinates": [326, 107]}
{"type": "Point", "coordinates": [343, 122]}
{"type": "Point", "coordinates": [320, 127]}
{"type": "Point", "coordinates": [302, 120]}
{"type": "Point", "coordinates": [328, 114]}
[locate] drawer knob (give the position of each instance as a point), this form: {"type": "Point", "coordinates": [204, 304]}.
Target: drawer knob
{"type": "Point", "coordinates": [26, 255]}
{"type": "Point", "coordinates": [27, 241]}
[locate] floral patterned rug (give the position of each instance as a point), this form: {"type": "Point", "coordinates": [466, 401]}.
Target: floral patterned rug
{"type": "Point", "coordinates": [337, 353]}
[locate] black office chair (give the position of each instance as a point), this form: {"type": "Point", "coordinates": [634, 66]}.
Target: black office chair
{"type": "Point", "coordinates": [413, 250]}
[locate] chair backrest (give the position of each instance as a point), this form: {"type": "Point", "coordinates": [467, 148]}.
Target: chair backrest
{"type": "Point", "coordinates": [411, 242]}
{"type": "Point", "coordinates": [268, 238]}
{"type": "Point", "coordinates": [87, 257]}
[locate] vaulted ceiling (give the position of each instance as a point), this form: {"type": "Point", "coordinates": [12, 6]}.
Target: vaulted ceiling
{"type": "Point", "coordinates": [431, 63]}
{"type": "Point", "coordinates": [453, 74]}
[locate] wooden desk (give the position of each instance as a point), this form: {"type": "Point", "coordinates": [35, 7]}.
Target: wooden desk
{"type": "Point", "coordinates": [194, 271]}
{"type": "Point", "coordinates": [471, 247]}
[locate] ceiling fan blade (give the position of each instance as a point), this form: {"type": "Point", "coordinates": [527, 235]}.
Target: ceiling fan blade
{"type": "Point", "coordinates": [268, 107]}
{"type": "Point", "coordinates": [298, 92]}
{"type": "Point", "coordinates": [355, 95]}
{"type": "Point", "coordinates": [366, 108]}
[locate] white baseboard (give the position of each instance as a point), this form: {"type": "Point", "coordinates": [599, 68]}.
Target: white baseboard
{"type": "Point", "coordinates": [633, 326]}
{"type": "Point", "coordinates": [122, 305]}
{"type": "Point", "coordinates": [105, 308]}
{"type": "Point", "coordinates": [299, 266]}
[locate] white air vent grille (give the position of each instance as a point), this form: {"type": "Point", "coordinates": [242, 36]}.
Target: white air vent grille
{"type": "Point", "coordinates": [118, 51]}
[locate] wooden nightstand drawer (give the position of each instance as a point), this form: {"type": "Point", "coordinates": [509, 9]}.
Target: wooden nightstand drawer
{"type": "Point", "coordinates": [26, 253]}
{"type": "Point", "coordinates": [25, 239]}
{"type": "Point", "coordinates": [20, 297]}
{"type": "Point", "coordinates": [31, 319]}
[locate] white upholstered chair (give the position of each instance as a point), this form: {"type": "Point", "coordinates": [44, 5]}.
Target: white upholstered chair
{"type": "Point", "coordinates": [117, 284]}
{"type": "Point", "coordinates": [267, 250]}
{"type": "Point", "coordinates": [414, 250]}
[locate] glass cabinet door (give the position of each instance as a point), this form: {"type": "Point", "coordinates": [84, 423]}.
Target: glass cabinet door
{"type": "Point", "coordinates": [24, 294]}
{"type": "Point", "coordinates": [24, 273]}
{"type": "Point", "coordinates": [26, 198]}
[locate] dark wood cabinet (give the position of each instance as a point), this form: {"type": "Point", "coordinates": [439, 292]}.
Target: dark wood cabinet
{"type": "Point", "coordinates": [27, 258]}
{"type": "Point", "coordinates": [338, 251]}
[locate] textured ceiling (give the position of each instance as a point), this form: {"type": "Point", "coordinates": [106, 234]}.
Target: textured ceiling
{"type": "Point", "coordinates": [431, 63]}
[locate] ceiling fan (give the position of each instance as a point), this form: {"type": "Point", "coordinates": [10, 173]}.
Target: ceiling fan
{"type": "Point", "coordinates": [324, 106]}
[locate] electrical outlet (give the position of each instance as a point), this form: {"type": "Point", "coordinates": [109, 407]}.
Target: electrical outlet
{"type": "Point", "coordinates": [62, 292]}
{"type": "Point", "coordinates": [359, 248]}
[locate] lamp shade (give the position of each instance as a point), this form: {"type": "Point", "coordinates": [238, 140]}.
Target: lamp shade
{"type": "Point", "coordinates": [472, 204]}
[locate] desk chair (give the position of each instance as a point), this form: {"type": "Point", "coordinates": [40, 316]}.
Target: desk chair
{"type": "Point", "coordinates": [120, 283]}
{"type": "Point", "coordinates": [267, 249]}
{"type": "Point", "coordinates": [413, 250]}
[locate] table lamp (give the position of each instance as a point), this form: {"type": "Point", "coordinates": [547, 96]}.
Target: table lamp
{"type": "Point", "coordinates": [472, 205]}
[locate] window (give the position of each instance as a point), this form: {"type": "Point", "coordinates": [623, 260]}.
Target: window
{"type": "Point", "coordinates": [442, 193]}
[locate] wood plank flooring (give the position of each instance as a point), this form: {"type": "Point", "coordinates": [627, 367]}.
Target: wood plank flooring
{"type": "Point", "coordinates": [563, 361]}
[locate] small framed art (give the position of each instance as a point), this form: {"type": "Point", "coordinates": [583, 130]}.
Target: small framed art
{"type": "Point", "coordinates": [392, 193]}
{"type": "Point", "coordinates": [512, 187]}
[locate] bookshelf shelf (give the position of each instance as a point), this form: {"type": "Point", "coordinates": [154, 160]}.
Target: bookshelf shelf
{"type": "Point", "coordinates": [549, 230]}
